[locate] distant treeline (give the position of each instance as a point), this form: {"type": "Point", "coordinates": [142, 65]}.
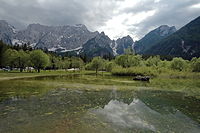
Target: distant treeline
{"type": "Point", "coordinates": [129, 64]}
{"type": "Point", "coordinates": [23, 57]}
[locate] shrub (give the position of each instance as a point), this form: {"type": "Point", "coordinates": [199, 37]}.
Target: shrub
{"type": "Point", "coordinates": [134, 71]}
{"type": "Point", "coordinates": [196, 65]}
{"type": "Point", "coordinates": [110, 65]}
{"type": "Point", "coordinates": [178, 64]}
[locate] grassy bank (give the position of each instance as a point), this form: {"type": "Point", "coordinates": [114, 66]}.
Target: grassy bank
{"type": "Point", "coordinates": [188, 83]}
{"type": "Point", "coordinates": [17, 74]}
{"type": "Point", "coordinates": [134, 71]}
{"type": "Point", "coordinates": [155, 72]}
{"type": "Point", "coordinates": [118, 71]}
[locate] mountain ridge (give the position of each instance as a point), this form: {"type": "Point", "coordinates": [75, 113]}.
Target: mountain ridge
{"type": "Point", "coordinates": [153, 37]}
{"type": "Point", "coordinates": [183, 43]}
{"type": "Point", "coordinates": [164, 40]}
{"type": "Point", "coordinates": [59, 38]}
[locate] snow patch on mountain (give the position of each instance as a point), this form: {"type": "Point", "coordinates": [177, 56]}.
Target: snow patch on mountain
{"type": "Point", "coordinates": [114, 48]}
{"type": "Point", "coordinates": [17, 42]}
{"type": "Point", "coordinates": [33, 45]}
{"type": "Point", "coordinates": [13, 28]}
{"type": "Point", "coordinates": [63, 50]}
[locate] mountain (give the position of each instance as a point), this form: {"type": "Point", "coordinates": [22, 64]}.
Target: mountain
{"type": "Point", "coordinates": [183, 43]}
{"type": "Point", "coordinates": [75, 39]}
{"type": "Point", "coordinates": [55, 37]}
{"type": "Point", "coordinates": [121, 44]}
{"type": "Point", "coordinates": [153, 37]}
{"type": "Point", "coordinates": [6, 32]}
{"type": "Point", "coordinates": [98, 46]}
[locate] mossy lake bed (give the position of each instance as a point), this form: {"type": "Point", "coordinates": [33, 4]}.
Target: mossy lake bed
{"type": "Point", "coordinates": [106, 104]}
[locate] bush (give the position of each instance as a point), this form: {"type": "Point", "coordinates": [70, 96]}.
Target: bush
{"type": "Point", "coordinates": [196, 65]}
{"type": "Point", "coordinates": [109, 66]}
{"type": "Point", "coordinates": [128, 60]}
{"type": "Point", "coordinates": [178, 64]}
{"type": "Point", "coordinates": [134, 71]}
{"type": "Point", "coordinates": [153, 61]}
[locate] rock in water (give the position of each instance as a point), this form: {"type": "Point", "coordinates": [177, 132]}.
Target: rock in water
{"type": "Point", "coordinates": [142, 78]}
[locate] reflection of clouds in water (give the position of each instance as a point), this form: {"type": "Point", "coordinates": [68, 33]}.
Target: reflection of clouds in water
{"type": "Point", "coordinates": [124, 115]}
{"type": "Point", "coordinates": [137, 115]}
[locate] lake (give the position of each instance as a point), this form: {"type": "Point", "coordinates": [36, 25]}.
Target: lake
{"type": "Point", "coordinates": [102, 104]}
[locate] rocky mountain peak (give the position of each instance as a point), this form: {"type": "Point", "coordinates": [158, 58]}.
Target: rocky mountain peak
{"type": "Point", "coordinates": [183, 43]}
{"type": "Point", "coordinates": [81, 26]}
{"type": "Point", "coordinates": [7, 32]}
{"type": "Point", "coordinates": [55, 37]}
{"type": "Point", "coordinates": [165, 30]}
{"type": "Point", "coordinates": [98, 46]}
{"type": "Point", "coordinates": [124, 43]}
{"type": "Point", "coordinates": [153, 37]}
{"type": "Point", "coordinates": [5, 26]}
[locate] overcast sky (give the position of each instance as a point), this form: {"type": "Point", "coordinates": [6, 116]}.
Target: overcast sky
{"type": "Point", "coordinates": [116, 18]}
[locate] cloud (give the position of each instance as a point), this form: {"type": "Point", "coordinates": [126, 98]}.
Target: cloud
{"type": "Point", "coordinates": [116, 17]}
{"type": "Point", "coordinates": [57, 12]}
{"type": "Point", "coordinates": [170, 12]}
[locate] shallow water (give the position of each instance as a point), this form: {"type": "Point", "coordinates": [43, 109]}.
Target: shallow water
{"type": "Point", "coordinates": [63, 104]}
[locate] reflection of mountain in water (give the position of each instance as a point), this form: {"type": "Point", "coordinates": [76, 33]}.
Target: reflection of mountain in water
{"type": "Point", "coordinates": [137, 116]}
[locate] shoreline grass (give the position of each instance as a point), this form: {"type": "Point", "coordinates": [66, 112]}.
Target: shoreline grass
{"type": "Point", "coordinates": [184, 82]}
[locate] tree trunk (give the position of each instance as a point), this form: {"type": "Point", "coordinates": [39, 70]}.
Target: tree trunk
{"type": "Point", "coordinates": [38, 70]}
{"type": "Point", "coordinates": [96, 71]}
{"type": "Point", "coordinates": [21, 69]}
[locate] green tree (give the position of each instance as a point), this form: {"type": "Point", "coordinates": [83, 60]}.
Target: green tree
{"type": "Point", "coordinates": [129, 51]}
{"type": "Point", "coordinates": [164, 64]}
{"type": "Point", "coordinates": [77, 63]}
{"type": "Point", "coordinates": [59, 63]}
{"type": "Point", "coordinates": [122, 60]}
{"type": "Point", "coordinates": [110, 65]}
{"type": "Point", "coordinates": [39, 59]}
{"type": "Point", "coordinates": [178, 64]}
{"type": "Point", "coordinates": [134, 60]}
{"type": "Point", "coordinates": [3, 48]}
{"type": "Point", "coordinates": [195, 64]}
{"type": "Point", "coordinates": [128, 60]}
{"type": "Point", "coordinates": [66, 64]}
{"type": "Point", "coordinates": [53, 61]}
{"type": "Point", "coordinates": [97, 63]}
{"type": "Point", "coordinates": [153, 61]}
{"type": "Point", "coordinates": [24, 60]}
{"type": "Point", "coordinates": [88, 66]}
{"type": "Point", "coordinates": [11, 58]}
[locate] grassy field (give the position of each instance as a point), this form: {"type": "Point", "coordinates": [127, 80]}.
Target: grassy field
{"type": "Point", "coordinates": [17, 74]}
{"type": "Point", "coordinates": [170, 80]}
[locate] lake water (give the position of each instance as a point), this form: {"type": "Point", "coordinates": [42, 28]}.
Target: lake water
{"type": "Point", "coordinates": [90, 104]}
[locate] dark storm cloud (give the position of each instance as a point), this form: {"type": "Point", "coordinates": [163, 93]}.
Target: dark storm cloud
{"type": "Point", "coordinates": [95, 13]}
{"type": "Point", "coordinates": [143, 5]}
{"type": "Point", "coordinates": [56, 12]}
{"type": "Point", "coordinates": [171, 12]}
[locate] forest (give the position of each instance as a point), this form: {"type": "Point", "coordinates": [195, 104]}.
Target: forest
{"type": "Point", "coordinates": [25, 59]}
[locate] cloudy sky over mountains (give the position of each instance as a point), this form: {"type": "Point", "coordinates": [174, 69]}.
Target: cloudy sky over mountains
{"type": "Point", "coordinates": [116, 18]}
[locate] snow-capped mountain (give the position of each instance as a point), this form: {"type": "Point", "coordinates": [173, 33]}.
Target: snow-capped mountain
{"type": "Point", "coordinates": [55, 37]}
{"type": "Point", "coordinates": [64, 39]}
